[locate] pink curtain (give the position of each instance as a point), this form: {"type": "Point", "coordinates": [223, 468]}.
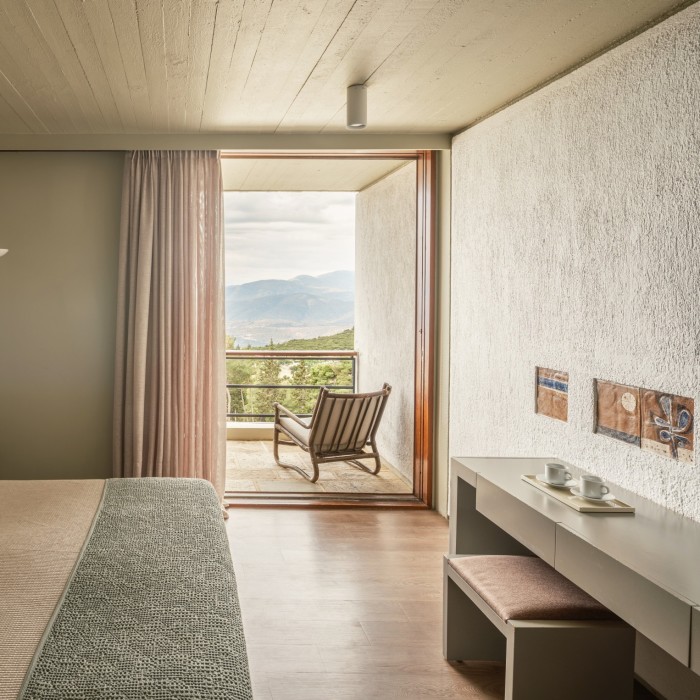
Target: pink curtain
{"type": "Point", "coordinates": [169, 408]}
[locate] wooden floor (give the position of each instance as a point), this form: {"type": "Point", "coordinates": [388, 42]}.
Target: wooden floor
{"type": "Point", "coordinates": [347, 604]}
{"type": "Point", "coordinates": [251, 468]}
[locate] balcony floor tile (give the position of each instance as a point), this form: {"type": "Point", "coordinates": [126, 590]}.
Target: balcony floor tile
{"type": "Point", "coordinates": [250, 467]}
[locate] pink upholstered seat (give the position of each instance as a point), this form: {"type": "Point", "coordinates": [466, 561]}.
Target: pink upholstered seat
{"type": "Point", "coordinates": [526, 588]}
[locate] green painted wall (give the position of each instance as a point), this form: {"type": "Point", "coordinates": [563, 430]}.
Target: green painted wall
{"type": "Point", "coordinates": [59, 217]}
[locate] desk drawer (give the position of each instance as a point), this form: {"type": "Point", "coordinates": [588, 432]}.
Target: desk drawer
{"type": "Point", "coordinates": [519, 520]}
{"type": "Point", "coordinates": [659, 615]}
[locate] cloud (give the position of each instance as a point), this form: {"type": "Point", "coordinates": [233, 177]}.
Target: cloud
{"type": "Point", "coordinates": [280, 207]}
{"type": "Point", "coordinates": [280, 235]}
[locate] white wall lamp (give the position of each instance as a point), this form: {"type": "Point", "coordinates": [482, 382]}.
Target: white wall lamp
{"type": "Point", "coordinates": [3, 251]}
{"type": "Point", "coordinates": [356, 107]}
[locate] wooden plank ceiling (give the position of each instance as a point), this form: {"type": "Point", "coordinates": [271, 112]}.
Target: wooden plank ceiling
{"type": "Point", "coordinates": [282, 66]}
{"type": "Point", "coordinates": [304, 174]}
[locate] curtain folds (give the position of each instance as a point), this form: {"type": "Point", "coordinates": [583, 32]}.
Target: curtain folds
{"type": "Point", "coordinates": [170, 375]}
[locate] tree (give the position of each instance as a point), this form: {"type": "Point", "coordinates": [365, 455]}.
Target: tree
{"type": "Point", "coordinates": [332, 374]}
{"type": "Point", "coordinates": [301, 400]}
{"type": "Point", "coordinates": [267, 372]}
{"type": "Point", "coordinates": [239, 372]}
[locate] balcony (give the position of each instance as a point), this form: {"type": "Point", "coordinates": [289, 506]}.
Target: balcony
{"type": "Point", "coordinates": [258, 378]}
{"type": "Point", "coordinates": [253, 401]}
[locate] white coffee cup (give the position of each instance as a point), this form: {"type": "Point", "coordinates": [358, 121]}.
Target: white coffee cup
{"type": "Point", "coordinates": [556, 473]}
{"type": "Point", "coordinates": [593, 486]}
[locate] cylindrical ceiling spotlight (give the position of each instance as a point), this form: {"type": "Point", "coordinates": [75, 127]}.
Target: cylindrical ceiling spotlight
{"type": "Point", "coordinates": [357, 107]}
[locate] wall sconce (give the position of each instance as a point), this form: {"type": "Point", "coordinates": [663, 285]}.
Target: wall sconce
{"type": "Point", "coordinates": [3, 251]}
{"type": "Point", "coordinates": [357, 107]}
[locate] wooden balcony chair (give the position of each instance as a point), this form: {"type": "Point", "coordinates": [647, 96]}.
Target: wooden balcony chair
{"type": "Point", "coordinates": [339, 430]}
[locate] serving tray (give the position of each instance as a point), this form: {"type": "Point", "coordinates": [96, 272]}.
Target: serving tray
{"type": "Point", "coordinates": [582, 505]}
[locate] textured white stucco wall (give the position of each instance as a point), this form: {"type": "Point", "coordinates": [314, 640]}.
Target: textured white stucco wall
{"type": "Point", "coordinates": [385, 292]}
{"type": "Point", "coordinates": [576, 246]}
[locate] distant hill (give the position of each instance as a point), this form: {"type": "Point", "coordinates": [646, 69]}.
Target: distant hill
{"type": "Point", "coordinates": [280, 310]}
{"type": "Point", "coordinates": [345, 340]}
{"type": "Point", "coordinates": [340, 282]}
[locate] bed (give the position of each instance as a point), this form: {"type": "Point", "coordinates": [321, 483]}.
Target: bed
{"type": "Point", "coordinates": [117, 588]}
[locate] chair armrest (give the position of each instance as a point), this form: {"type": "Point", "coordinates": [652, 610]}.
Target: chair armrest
{"type": "Point", "coordinates": [279, 408]}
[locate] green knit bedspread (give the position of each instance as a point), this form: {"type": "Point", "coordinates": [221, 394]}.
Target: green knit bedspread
{"type": "Point", "coordinates": [152, 610]}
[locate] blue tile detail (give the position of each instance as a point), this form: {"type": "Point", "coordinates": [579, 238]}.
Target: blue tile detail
{"type": "Point", "coordinates": [553, 384]}
{"type": "Point", "coordinates": [619, 435]}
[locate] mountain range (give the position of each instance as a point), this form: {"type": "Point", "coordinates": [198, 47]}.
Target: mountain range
{"type": "Point", "coordinates": [301, 307]}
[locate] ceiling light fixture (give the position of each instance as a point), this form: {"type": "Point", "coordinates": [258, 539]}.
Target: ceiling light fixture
{"type": "Point", "coordinates": [357, 107]}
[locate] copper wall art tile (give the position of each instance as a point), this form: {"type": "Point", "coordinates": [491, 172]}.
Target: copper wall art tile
{"type": "Point", "coordinates": [552, 393]}
{"type": "Point", "coordinates": [618, 412]}
{"type": "Point", "coordinates": [668, 425]}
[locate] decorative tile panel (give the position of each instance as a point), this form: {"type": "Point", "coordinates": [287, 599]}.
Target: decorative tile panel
{"type": "Point", "coordinates": [668, 425]}
{"type": "Point", "coordinates": [552, 393]}
{"type": "Point", "coordinates": [618, 412]}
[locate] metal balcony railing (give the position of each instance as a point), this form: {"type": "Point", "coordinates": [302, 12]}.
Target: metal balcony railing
{"type": "Point", "coordinates": [252, 399]}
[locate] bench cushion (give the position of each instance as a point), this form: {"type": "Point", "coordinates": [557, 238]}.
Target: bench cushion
{"type": "Point", "coordinates": [526, 588]}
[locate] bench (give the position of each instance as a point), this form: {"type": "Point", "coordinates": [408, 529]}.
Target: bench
{"type": "Point", "coordinates": [557, 642]}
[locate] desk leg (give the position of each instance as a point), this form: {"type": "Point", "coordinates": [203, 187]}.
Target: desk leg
{"type": "Point", "coordinates": [470, 531]}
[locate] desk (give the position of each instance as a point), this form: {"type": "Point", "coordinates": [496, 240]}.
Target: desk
{"type": "Point", "coordinates": [644, 566]}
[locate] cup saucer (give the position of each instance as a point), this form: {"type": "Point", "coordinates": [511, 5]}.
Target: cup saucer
{"type": "Point", "coordinates": [603, 499]}
{"type": "Point", "coordinates": [542, 478]}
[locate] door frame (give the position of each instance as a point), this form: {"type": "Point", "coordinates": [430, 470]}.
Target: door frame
{"type": "Point", "coordinates": [425, 341]}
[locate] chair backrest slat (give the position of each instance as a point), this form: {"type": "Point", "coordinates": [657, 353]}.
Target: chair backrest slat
{"type": "Point", "coordinates": [359, 420]}
{"type": "Point", "coordinates": [371, 419]}
{"type": "Point", "coordinates": [339, 423]}
{"type": "Point", "coordinates": [346, 422]}
{"type": "Point", "coordinates": [322, 417]}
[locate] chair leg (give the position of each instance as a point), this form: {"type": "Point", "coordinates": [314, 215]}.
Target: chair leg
{"type": "Point", "coordinates": [313, 478]}
{"type": "Point", "coordinates": [377, 462]}
{"type": "Point", "coordinates": [314, 462]}
{"type": "Point", "coordinates": [364, 468]}
{"type": "Point", "coordinates": [275, 444]}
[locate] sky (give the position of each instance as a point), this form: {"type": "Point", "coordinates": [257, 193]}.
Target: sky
{"type": "Point", "coordinates": [279, 235]}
